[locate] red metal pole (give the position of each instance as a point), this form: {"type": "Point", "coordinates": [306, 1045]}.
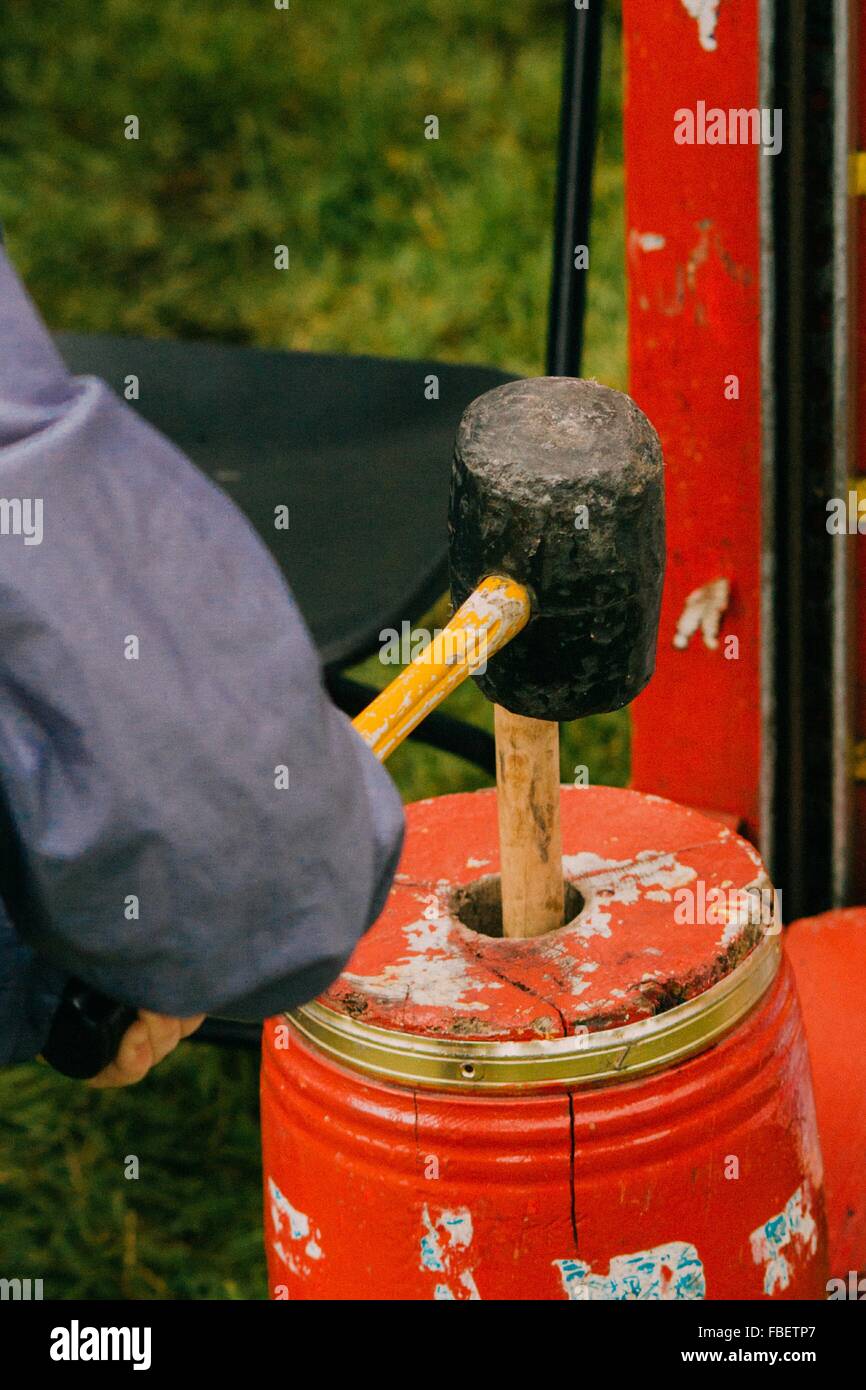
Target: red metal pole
{"type": "Point", "coordinates": [694, 264]}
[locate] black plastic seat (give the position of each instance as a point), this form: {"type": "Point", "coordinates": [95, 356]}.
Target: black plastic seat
{"type": "Point", "coordinates": [351, 446]}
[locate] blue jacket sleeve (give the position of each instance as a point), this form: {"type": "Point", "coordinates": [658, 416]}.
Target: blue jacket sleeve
{"type": "Point", "coordinates": [203, 830]}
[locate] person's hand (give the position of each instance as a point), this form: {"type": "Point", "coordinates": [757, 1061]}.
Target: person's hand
{"type": "Point", "coordinates": [145, 1042]}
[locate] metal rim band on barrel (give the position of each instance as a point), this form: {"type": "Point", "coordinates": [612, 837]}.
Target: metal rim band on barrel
{"type": "Point", "coordinates": [613, 1054]}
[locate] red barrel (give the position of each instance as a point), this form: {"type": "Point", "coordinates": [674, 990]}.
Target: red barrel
{"type": "Point", "coordinates": [620, 1109]}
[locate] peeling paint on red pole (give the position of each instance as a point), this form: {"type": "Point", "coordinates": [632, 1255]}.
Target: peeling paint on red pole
{"type": "Point", "coordinates": [701, 1179]}
{"type": "Point", "coordinates": [693, 248]}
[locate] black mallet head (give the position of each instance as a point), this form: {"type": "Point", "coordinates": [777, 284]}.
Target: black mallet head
{"type": "Point", "coordinates": [558, 483]}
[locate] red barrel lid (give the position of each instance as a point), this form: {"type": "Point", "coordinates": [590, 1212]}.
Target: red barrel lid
{"type": "Point", "coordinates": [662, 904]}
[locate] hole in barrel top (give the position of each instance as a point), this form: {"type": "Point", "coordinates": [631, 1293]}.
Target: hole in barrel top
{"type": "Point", "coordinates": [478, 905]}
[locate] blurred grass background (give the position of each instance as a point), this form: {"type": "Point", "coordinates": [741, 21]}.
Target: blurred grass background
{"type": "Point", "coordinates": [257, 127]}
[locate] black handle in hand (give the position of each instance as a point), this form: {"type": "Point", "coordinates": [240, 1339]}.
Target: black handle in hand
{"type": "Point", "coordinates": [86, 1031]}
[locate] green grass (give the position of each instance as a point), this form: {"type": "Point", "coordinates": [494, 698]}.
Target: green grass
{"type": "Point", "coordinates": [257, 128]}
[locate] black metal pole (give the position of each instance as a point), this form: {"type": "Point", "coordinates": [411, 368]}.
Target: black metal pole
{"type": "Point", "coordinates": [577, 132]}
{"type": "Point", "coordinates": [809, 861]}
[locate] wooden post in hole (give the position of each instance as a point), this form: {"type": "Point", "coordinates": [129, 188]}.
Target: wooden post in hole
{"type": "Point", "coordinates": [530, 843]}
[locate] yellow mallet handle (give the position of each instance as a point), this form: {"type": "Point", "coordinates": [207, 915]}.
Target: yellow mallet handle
{"type": "Point", "coordinates": [489, 618]}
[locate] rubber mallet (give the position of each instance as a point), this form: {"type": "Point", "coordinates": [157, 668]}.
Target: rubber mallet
{"type": "Point", "coordinates": [556, 528]}
{"type": "Point", "coordinates": [557, 558]}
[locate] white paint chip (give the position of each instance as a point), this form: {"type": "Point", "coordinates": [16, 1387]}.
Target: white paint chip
{"type": "Point", "coordinates": [665, 1273]}
{"type": "Point", "coordinates": [650, 241]}
{"type": "Point", "coordinates": [786, 1240]}
{"type": "Point", "coordinates": [704, 609]}
{"type": "Point", "coordinates": [304, 1239]}
{"type": "Point", "coordinates": [433, 973]}
{"type": "Point", "coordinates": [706, 14]}
{"type": "Point", "coordinates": [445, 1252]}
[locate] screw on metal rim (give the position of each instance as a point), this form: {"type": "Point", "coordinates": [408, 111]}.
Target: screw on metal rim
{"type": "Point", "coordinates": [614, 1054]}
